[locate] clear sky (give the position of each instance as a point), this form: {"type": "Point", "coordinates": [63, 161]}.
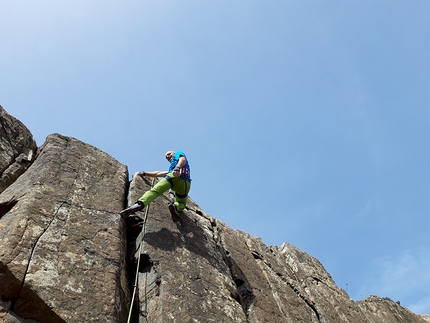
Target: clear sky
{"type": "Point", "coordinates": [303, 121]}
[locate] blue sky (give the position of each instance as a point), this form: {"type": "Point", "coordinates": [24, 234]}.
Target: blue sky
{"type": "Point", "coordinates": [303, 121]}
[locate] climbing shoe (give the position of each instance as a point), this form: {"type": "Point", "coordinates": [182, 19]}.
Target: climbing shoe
{"type": "Point", "coordinates": [138, 206]}
{"type": "Point", "coordinates": [174, 212]}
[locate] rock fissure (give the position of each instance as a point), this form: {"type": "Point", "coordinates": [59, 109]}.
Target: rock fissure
{"type": "Point", "coordinates": [31, 253]}
{"type": "Point", "coordinates": [291, 285]}
{"type": "Point", "coordinates": [5, 134]}
{"type": "Point", "coordinates": [6, 207]}
{"type": "Point", "coordinates": [137, 270]}
{"type": "Point", "coordinates": [308, 302]}
{"type": "Point", "coordinates": [245, 296]}
{"type": "Point", "coordinates": [151, 283]}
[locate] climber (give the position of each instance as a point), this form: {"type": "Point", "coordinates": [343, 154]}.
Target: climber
{"type": "Point", "coordinates": [176, 178]}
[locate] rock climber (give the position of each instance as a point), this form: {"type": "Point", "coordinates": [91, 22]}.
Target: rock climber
{"type": "Point", "coordinates": [176, 178]}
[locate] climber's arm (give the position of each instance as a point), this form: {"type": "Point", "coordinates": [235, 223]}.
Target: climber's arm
{"type": "Point", "coordinates": [153, 174]}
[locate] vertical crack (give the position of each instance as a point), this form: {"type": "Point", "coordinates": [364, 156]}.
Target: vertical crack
{"type": "Point", "coordinates": [151, 284]}
{"type": "Point", "coordinates": [33, 248]}
{"type": "Point", "coordinates": [268, 268]}
{"type": "Point", "coordinates": [133, 229]}
{"type": "Point", "coordinates": [145, 276]}
{"type": "Point", "coordinates": [245, 296]}
{"type": "Point", "coordinates": [290, 284]}
{"type": "Point", "coordinates": [34, 245]}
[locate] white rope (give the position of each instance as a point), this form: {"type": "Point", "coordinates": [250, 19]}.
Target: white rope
{"type": "Point", "coordinates": [136, 280]}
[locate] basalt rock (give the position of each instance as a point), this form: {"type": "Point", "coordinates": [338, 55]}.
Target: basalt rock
{"type": "Point", "coordinates": [17, 149]}
{"type": "Point", "coordinates": [67, 256]}
{"type": "Point", "coordinates": [200, 270]}
{"type": "Point", "coordinates": [62, 246]}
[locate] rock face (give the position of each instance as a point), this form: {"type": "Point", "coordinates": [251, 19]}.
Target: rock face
{"type": "Point", "coordinates": [200, 270]}
{"type": "Point", "coordinates": [17, 149]}
{"type": "Point", "coordinates": [62, 247]}
{"type": "Point", "coordinates": [67, 256]}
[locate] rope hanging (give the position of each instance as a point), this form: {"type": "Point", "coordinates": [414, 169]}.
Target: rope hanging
{"type": "Point", "coordinates": [142, 233]}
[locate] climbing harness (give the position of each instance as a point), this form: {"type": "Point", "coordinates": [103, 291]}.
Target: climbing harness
{"type": "Point", "coordinates": [182, 196]}
{"type": "Point", "coordinates": [136, 279]}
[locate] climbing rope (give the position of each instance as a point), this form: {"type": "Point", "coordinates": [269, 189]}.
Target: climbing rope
{"type": "Point", "coordinates": [136, 279]}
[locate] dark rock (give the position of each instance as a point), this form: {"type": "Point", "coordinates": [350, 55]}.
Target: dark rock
{"type": "Point", "coordinates": [17, 149]}
{"type": "Point", "coordinates": [62, 246]}
{"type": "Point", "coordinates": [200, 270]}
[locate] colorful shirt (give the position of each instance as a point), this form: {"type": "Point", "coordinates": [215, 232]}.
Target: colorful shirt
{"type": "Point", "coordinates": [185, 171]}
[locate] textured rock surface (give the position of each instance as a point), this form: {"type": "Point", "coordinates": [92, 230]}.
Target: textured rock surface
{"type": "Point", "coordinates": [67, 256]}
{"type": "Point", "coordinates": [184, 276]}
{"type": "Point", "coordinates": [62, 250]}
{"type": "Point", "coordinates": [200, 270]}
{"type": "Point", "coordinates": [385, 310]}
{"type": "Point", "coordinates": [17, 149]}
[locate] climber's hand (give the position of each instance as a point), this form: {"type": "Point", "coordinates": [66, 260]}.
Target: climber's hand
{"type": "Point", "coordinates": [177, 172]}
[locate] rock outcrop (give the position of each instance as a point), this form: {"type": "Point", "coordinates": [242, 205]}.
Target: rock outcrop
{"type": "Point", "coordinates": [67, 256]}
{"type": "Point", "coordinates": [62, 247]}
{"type": "Point", "coordinates": [17, 149]}
{"type": "Point", "coordinates": [201, 270]}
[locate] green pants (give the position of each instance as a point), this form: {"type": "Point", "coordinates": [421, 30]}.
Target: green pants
{"type": "Point", "coordinates": [180, 186]}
